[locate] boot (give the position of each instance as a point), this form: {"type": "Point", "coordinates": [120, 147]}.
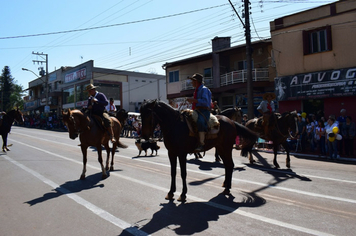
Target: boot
{"type": "Point", "coordinates": [200, 148]}
{"type": "Point", "coordinates": [111, 132]}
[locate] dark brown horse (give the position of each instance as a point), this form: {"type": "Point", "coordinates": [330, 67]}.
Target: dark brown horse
{"type": "Point", "coordinates": [179, 143]}
{"type": "Point", "coordinates": [286, 126]}
{"type": "Point", "coordinates": [91, 134]}
{"type": "Point", "coordinates": [6, 123]}
{"type": "Point", "coordinates": [234, 113]}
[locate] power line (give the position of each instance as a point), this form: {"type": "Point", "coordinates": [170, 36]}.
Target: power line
{"type": "Point", "coordinates": [113, 25]}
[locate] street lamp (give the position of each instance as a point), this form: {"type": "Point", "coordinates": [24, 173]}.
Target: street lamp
{"type": "Point", "coordinates": [30, 71]}
{"type": "Point", "coordinates": [46, 84]}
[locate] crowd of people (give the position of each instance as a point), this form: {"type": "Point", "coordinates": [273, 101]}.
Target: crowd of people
{"type": "Point", "coordinates": [43, 120]}
{"type": "Point", "coordinates": [330, 138]}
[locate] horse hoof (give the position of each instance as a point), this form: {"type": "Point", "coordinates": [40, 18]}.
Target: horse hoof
{"type": "Point", "coordinates": [111, 168]}
{"type": "Point", "coordinates": [82, 177]}
{"type": "Point", "coordinates": [104, 176]}
{"type": "Point", "coordinates": [182, 198]}
{"type": "Point", "coordinates": [169, 196]}
{"type": "Point", "coordinates": [226, 192]}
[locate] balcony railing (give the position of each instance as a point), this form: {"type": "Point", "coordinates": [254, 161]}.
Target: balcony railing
{"type": "Point", "coordinates": [240, 76]}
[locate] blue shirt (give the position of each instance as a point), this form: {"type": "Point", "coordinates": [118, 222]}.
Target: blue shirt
{"type": "Point", "coordinates": [203, 97]}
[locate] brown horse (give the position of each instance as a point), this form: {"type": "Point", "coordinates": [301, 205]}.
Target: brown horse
{"type": "Point", "coordinates": [179, 143]}
{"type": "Point", "coordinates": [234, 113]}
{"type": "Point", "coordinates": [91, 134]}
{"type": "Point", "coordinates": [286, 126]}
{"type": "Point", "coordinates": [6, 124]}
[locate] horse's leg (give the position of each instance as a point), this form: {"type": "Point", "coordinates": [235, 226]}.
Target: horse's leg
{"type": "Point", "coordinates": [84, 152]}
{"type": "Point", "coordinates": [112, 155]}
{"type": "Point", "coordinates": [107, 148]}
{"type": "Point", "coordinates": [217, 158]}
{"type": "Point", "coordinates": [173, 161]}
{"type": "Point", "coordinates": [100, 160]}
{"type": "Point", "coordinates": [4, 139]}
{"type": "Point", "coordinates": [250, 157]}
{"type": "Point", "coordinates": [286, 147]}
{"type": "Point", "coordinates": [275, 149]}
{"type": "Point", "coordinates": [183, 173]}
{"type": "Point", "coordinates": [229, 167]}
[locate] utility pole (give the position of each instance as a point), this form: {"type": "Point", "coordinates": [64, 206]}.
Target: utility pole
{"type": "Point", "coordinates": [249, 81]}
{"type": "Point", "coordinates": [45, 60]}
{"type": "Point", "coordinates": [249, 84]}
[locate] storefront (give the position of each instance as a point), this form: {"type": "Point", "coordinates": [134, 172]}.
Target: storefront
{"type": "Point", "coordinates": [322, 93]}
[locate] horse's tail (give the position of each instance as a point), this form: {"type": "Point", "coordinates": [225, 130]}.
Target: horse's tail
{"type": "Point", "coordinates": [249, 138]}
{"type": "Point", "coordinates": [121, 145]}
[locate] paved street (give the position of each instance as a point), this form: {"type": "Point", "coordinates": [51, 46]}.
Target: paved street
{"type": "Point", "coordinates": [41, 194]}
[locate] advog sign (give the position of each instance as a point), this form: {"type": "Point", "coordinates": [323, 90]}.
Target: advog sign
{"type": "Point", "coordinates": [331, 83]}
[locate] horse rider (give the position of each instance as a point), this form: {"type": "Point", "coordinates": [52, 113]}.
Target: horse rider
{"type": "Point", "coordinates": [267, 109]}
{"type": "Point", "coordinates": [111, 108]}
{"type": "Point", "coordinates": [96, 104]}
{"type": "Point", "coordinates": [201, 102]}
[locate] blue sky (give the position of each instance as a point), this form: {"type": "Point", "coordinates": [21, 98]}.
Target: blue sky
{"type": "Point", "coordinates": [131, 35]}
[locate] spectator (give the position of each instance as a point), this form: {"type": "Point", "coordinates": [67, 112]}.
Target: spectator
{"type": "Point", "coordinates": [320, 137]}
{"type": "Point", "coordinates": [331, 137]}
{"type": "Point", "coordinates": [348, 134]}
{"type": "Point", "coordinates": [341, 120]}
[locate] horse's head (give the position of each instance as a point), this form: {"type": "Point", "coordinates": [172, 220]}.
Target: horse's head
{"type": "Point", "coordinates": [148, 120]}
{"type": "Point", "coordinates": [292, 123]}
{"type": "Point", "coordinates": [122, 115]}
{"type": "Point", "coordinates": [18, 116]}
{"type": "Point", "coordinates": [73, 122]}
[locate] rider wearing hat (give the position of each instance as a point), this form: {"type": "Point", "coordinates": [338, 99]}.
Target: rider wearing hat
{"type": "Point", "coordinates": [96, 104]}
{"type": "Point", "coordinates": [201, 102]}
{"type": "Point", "coordinates": [267, 109]}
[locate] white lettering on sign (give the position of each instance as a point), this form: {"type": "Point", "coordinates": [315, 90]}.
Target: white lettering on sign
{"type": "Point", "coordinates": [76, 75]}
{"type": "Point", "coordinates": [350, 74]}
{"type": "Point", "coordinates": [335, 75]}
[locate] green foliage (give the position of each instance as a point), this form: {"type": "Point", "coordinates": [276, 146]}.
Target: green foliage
{"type": "Point", "coordinates": [11, 93]}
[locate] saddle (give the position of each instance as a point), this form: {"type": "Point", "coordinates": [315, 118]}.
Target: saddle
{"type": "Point", "coordinates": [99, 121]}
{"type": "Point", "coordinates": [191, 118]}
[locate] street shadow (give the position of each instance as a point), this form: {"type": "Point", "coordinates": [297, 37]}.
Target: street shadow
{"type": "Point", "coordinates": [207, 166]}
{"type": "Point", "coordinates": [75, 186]}
{"type": "Point", "coordinates": [194, 217]}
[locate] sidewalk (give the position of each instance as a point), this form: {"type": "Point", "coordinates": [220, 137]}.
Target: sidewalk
{"type": "Point", "coordinates": [310, 155]}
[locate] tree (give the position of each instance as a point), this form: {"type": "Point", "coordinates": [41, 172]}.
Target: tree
{"type": "Point", "coordinates": [11, 93]}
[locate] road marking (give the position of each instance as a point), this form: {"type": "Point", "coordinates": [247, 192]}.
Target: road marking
{"type": "Point", "coordinates": [132, 229]}
{"type": "Point", "coordinates": [93, 208]}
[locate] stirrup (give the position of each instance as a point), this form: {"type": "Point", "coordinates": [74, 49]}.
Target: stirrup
{"type": "Point", "coordinates": [200, 148]}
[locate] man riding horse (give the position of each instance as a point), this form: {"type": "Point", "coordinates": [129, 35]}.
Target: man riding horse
{"type": "Point", "coordinates": [267, 109]}
{"type": "Point", "coordinates": [201, 102]}
{"type": "Point", "coordinates": [96, 104]}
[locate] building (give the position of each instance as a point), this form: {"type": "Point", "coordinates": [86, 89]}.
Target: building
{"type": "Point", "coordinates": [315, 56]}
{"type": "Point", "coordinates": [224, 71]}
{"type": "Point", "coordinates": [67, 88]}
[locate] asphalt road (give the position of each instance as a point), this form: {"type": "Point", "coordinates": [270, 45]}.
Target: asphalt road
{"type": "Point", "coordinates": [41, 194]}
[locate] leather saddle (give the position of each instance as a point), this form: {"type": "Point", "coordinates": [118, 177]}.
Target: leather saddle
{"type": "Point", "coordinates": [191, 118]}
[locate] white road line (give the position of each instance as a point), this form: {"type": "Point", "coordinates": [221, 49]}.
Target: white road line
{"type": "Point", "coordinates": [126, 226]}
{"type": "Point", "coordinates": [93, 208]}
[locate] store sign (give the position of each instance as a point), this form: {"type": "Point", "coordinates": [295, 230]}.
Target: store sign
{"type": "Point", "coordinates": [76, 75]}
{"type": "Point", "coordinates": [332, 83]}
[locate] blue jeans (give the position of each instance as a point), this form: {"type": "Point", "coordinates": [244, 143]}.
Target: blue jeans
{"type": "Point", "coordinates": [203, 118]}
{"type": "Point", "coordinates": [332, 146]}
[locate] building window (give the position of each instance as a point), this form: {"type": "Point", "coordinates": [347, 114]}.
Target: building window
{"type": "Point", "coordinates": [318, 40]}
{"type": "Point", "coordinates": [68, 95]}
{"type": "Point", "coordinates": [173, 76]}
{"type": "Point", "coordinates": [207, 73]}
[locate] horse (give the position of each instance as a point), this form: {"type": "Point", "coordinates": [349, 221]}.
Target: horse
{"type": "Point", "coordinates": [233, 113]}
{"type": "Point", "coordinates": [122, 116]}
{"type": "Point", "coordinates": [91, 134]}
{"type": "Point", "coordinates": [179, 143]}
{"type": "Point", "coordinates": [285, 126]}
{"type": "Point", "coordinates": [7, 121]}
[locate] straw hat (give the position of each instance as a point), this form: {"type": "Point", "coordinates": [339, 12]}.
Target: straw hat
{"type": "Point", "coordinates": [90, 87]}
{"type": "Point", "coordinates": [269, 94]}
